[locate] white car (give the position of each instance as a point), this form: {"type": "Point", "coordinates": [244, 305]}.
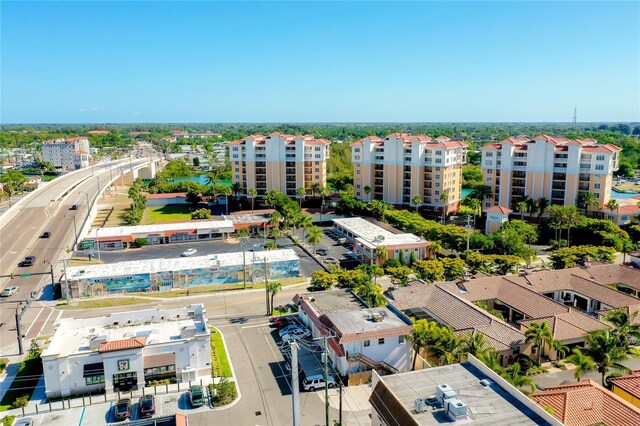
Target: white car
{"type": "Point", "coordinates": [9, 291]}
{"type": "Point", "coordinates": [331, 261]}
{"type": "Point", "coordinates": [289, 329]}
{"type": "Point", "coordinates": [189, 252]}
{"type": "Point", "coordinates": [296, 335]}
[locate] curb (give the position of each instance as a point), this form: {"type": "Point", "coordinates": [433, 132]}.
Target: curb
{"type": "Point", "coordinates": [233, 371]}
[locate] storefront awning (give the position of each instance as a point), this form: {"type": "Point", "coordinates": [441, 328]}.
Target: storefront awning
{"type": "Point", "coordinates": [93, 369]}
{"type": "Point", "coordinates": [159, 360]}
{"type": "Point", "coordinates": [190, 232]}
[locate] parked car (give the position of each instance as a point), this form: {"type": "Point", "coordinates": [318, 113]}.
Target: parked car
{"type": "Point", "coordinates": [147, 406]}
{"type": "Point", "coordinates": [322, 251]}
{"type": "Point", "coordinates": [196, 396]}
{"type": "Point", "coordinates": [25, 421]}
{"type": "Point", "coordinates": [289, 328]}
{"type": "Point", "coordinates": [45, 234]}
{"type": "Point", "coordinates": [316, 381]}
{"type": "Point", "coordinates": [296, 335]}
{"type": "Point", "coordinates": [331, 261]}
{"type": "Point", "coordinates": [9, 291]}
{"type": "Point", "coordinates": [122, 410]}
{"type": "Point", "coordinates": [73, 207]}
{"type": "Point", "coordinates": [189, 252]}
{"type": "Point", "coordinates": [282, 321]}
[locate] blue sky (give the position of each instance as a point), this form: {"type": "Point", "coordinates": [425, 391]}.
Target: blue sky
{"type": "Point", "coordinates": [311, 61]}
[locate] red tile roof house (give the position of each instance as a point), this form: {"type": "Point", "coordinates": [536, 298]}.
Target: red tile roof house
{"type": "Point", "coordinates": [359, 337]}
{"type": "Point", "coordinates": [586, 403]}
{"type": "Point", "coordinates": [627, 387]}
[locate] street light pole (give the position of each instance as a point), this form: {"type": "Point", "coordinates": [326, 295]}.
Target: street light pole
{"type": "Point", "coordinates": [266, 283]}
{"type": "Point", "coordinates": [295, 385]}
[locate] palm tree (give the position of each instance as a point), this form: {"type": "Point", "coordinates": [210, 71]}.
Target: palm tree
{"type": "Point", "coordinates": [521, 207]}
{"type": "Point", "coordinates": [560, 349]}
{"type": "Point", "coordinates": [305, 223]}
{"type": "Point", "coordinates": [315, 187]}
{"type": "Point", "coordinates": [212, 176]}
{"type": "Point", "coordinates": [513, 376]}
{"type": "Point", "coordinates": [324, 193]}
{"type": "Point", "coordinates": [447, 347]}
{"type": "Point", "coordinates": [539, 334]}
{"type": "Point", "coordinates": [482, 193]}
{"type": "Point", "coordinates": [367, 191]}
{"type": "Point", "coordinates": [275, 219]}
{"type": "Point", "coordinates": [273, 288]}
{"type": "Point", "coordinates": [612, 205]}
{"type": "Point", "coordinates": [371, 293]}
{"type": "Point", "coordinates": [587, 200]}
{"type": "Point", "coordinates": [557, 220]}
{"type": "Point", "coordinates": [226, 191]}
{"type": "Point", "coordinates": [444, 199]}
{"type": "Point", "coordinates": [433, 249]}
{"type": "Point", "coordinates": [270, 245]}
{"type": "Point", "coordinates": [603, 346]}
{"type": "Point", "coordinates": [275, 233]}
{"type": "Point", "coordinates": [542, 204]}
{"type": "Point", "coordinates": [475, 344]}
{"type": "Point", "coordinates": [300, 193]}
{"type": "Point", "coordinates": [375, 271]}
{"type": "Point", "coordinates": [252, 194]}
{"type": "Point", "coordinates": [236, 187]}
{"type": "Point", "coordinates": [624, 324]}
{"type": "Point", "coordinates": [418, 337]}
{"type": "Point", "coordinates": [492, 360]}
{"type": "Point", "coordinates": [416, 201]}
{"type": "Point", "coordinates": [381, 254]}
{"type": "Point", "coordinates": [582, 362]}
{"type": "Point", "coordinates": [532, 206]}
{"type": "Point", "coordinates": [475, 205]}
{"type": "Point", "coordinates": [572, 218]}
{"type": "Point", "coordinates": [314, 237]}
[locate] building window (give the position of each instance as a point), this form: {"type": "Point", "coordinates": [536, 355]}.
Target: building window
{"type": "Point", "coordinates": [358, 171]}
{"type": "Point", "coordinates": [490, 171]}
{"type": "Point", "coordinates": [599, 167]}
{"type": "Point", "coordinates": [600, 158]}
{"type": "Point", "coordinates": [317, 148]}
{"type": "Point", "coordinates": [437, 184]}
{"type": "Point", "coordinates": [381, 341]}
{"type": "Point", "coordinates": [235, 148]}
{"type": "Point", "coordinates": [400, 340]}
{"type": "Point", "coordinates": [489, 179]}
{"type": "Point", "coordinates": [357, 149]}
{"type": "Point", "coordinates": [237, 176]}
{"type": "Point", "coordinates": [94, 380]}
{"type": "Point", "coordinates": [358, 186]}
{"type": "Point", "coordinates": [317, 163]}
{"type": "Point", "coordinates": [488, 154]}
{"type": "Point", "coordinates": [488, 163]}
{"type": "Point", "coordinates": [596, 186]}
{"type": "Point", "coordinates": [317, 177]}
{"type": "Point", "coordinates": [367, 343]}
{"type": "Point", "coordinates": [317, 169]}
{"type": "Point", "coordinates": [237, 169]}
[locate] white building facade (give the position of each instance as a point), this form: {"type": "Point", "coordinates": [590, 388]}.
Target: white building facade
{"type": "Point", "coordinates": [67, 154]}
{"type": "Point", "coordinates": [124, 351]}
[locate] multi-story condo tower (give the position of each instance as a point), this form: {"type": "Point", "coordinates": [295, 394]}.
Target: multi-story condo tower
{"type": "Point", "coordinates": [396, 168]}
{"type": "Point", "coordinates": [69, 154]}
{"type": "Point", "coordinates": [554, 168]}
{"type": "Point", "coordinates": [280, 162]}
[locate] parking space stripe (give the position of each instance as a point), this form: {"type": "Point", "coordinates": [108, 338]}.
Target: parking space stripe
{"type": "Point", "coordinates": [81, 416]}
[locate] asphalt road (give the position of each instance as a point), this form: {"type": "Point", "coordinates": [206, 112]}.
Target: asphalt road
{"type": "Point", "coordinates": [19, 235]}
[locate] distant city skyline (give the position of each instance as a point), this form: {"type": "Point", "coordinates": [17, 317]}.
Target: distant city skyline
{"type": "Point", "coordinates": [335, 62]}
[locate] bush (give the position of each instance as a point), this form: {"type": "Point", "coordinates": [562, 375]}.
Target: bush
{"type": "Point", "coordinates": [203, 213]}
{"type": "Point", "coordinates": [22, 401]}
{"type": "Point", "coordinates": [3, 364]}
{"type": "Point", "coordinates": [223, 393]}
{"type": "Point", "coordinates": [140, 242]}
{"type": "Point", "coordinates": [7, 420]}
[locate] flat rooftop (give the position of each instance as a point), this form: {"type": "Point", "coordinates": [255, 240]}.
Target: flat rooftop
{"type": "Point", "coordinates": [125, 231]}
{"type": "Point", "coordinates": [153, 326]}
{"type": "Point", "coordinates": [372, 235]}
{"type": "Point", "coordinates": [367, 322]}
{"type": "Point", "coordinates": [394, 398]}
{"type": "Point", "coordinates": [325, 302]}
{"type": "Point", "coordinates": [147, 266]}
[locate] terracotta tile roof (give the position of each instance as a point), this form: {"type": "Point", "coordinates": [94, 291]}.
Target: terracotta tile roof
{"type": "Point", "coordinates": [98, 132]}
{"type": "Point", "coordinates": [586, 403]}
{"type": "Point", "coordinates": [623, 210]}
{"type": "Point", "coordinates": [629, 384]}
{"type": "Point", "coordinates": [123, 344]}
{"type": "Point", "coordinates": [602, 148]}
{"type": "Point", "coordinates": [491, 146]}
{"type": "Point", "coordinates": [570, 325]}
{"type": "Point", "coordinates": [498, 209]}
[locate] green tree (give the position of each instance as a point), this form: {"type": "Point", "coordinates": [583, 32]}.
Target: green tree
{"type": "Point", "coordinates": [381, 254]}
{"type": "Point", "coordinates": [400, 274]}
{"type": "Point", "coordinates": [273, 288]}
{"type": "Point", "coordinates": [367, 191]}
{"type": "Point", "coordinates": [587, 200]}
{"type": "Point", "coordinates": [252, 193]}
{"type": "Point", "coordinates": [521, 207]}
{"type": "Point", "coordinates": [542, 205]}
{"type": "Point", "coordinates": [624, 324]}
{"type": "Point", "coordinates": [582, 362]}
{"type": "Point", "coordinates": [444, 200]}
{"type": "Point", "coordinates": [196, 162]}
{"type": "Point", "coordinates": [453, 268]}
{"type": "Point", "coordinates": [300, 194]}
{"type": "Point", "coordinates": [422, 330]}
{"type": "Point", "coordinates": [270, 245]}
{"type": "Point", "coordinates": [372, 294]}
{"type": "Point", "coordinates": [429, 270]}
{"type": "Point", "coordinates": [226, 191]}
{"type": "Point", "coordinates": [314, 237]}
{"type": "Point", "coordinates": [203, 213]}
{"type": "Point", "coordinates": [475, 343]}
{"type": "Point", "coordinates": [513, 375]}
{"type": "Point", "coordinates": [540, 334]}
{"type": "Point", "coordinates": [236, 187]}
{"type": "Point", "coordinates": [416, 200]}
{"type": "Point", "coordinates": [375, 271]}
{"type": "Point", "coordinates": [321, 280]}
{"type": "Point", "coordinates": [305, 223]}
{"type": "Point", "coordinates": [447, 347]}
{"type": "Point", "coordinates": [352, 278]}
{"type": "Point", "coordinates": [603, 347]}
{"type": "Point", "coordinates": [433, 249]}
{"type": "Point", "coordinates": [613, 205]}
{"type": "Point", "coordinates": [193, 198]}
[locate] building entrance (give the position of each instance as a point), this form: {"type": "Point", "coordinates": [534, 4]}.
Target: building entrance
{"type": "Point", "coordinates": [125, 381]}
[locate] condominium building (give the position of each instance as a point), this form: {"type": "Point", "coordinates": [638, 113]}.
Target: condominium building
{"type": "Point", "coordinates": [396, 168]}
{"type": "Point", "coordinates": [278, 161]}
{"type": "Point", "coordinates": [68, 154]}
{"type": "Point", "coordinates": [554, 168]}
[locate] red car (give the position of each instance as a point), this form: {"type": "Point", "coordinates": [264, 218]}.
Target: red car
{"type": "Point", "coordinates": [280, 321]}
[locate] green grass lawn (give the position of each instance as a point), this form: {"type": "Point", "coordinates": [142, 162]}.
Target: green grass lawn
{"type": "Point", "coordinates": [170, 213]}
{"type": "Point", "coordinates": [103, 303]}
{"type": "Point", "coordinates": [219, 357]}
{"type": "Point", "coordinates": [24, 383]}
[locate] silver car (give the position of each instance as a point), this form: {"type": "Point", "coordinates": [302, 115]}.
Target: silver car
{"type": "Point", "coordinates": [9, 291]}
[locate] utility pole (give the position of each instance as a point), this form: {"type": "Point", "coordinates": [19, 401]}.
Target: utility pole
{"type": "Point", "coordinates": [295, 385]}
{"type": "Point", "coordinates": [340, 409]}
{"type": "Point", "coordinates": [326, 384]}
{"type": "Point", "coordinates": [244, 265]}
{"type": "Point", "coordinates": [18, 330]}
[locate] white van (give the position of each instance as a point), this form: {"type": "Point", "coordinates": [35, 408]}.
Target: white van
{"type": "Point", "coordinates": [316, 381]}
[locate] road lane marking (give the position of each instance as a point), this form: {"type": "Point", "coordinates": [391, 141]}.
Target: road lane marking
{"type": "Point", "coordinates": [34, 321]}
{"type": "Point", "coordinates": [256, 325]}
{"type": "Point", "coordinates": [81, 416]}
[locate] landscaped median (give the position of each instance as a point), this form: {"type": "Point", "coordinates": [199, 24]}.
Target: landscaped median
{"type": "Point", "coordinates": [223, 390]}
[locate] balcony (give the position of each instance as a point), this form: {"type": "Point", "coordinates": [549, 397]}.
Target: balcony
{"type": "Point", "coordinates": [378, 175]}
{"type": "Point", "coordinates": [517, 192]}
{"type": "Point", "coordinates": [583, 187]}
{"type": "Point", "coordinates": [407, 176]}
{"type": "Point", "coordinates": [428, 185]}
{"type": "Point", "coordinates": [557, 195]}
{"type": "Point", "coordinates": [560, 176]}
{"type": "Point", "coordinates": [558, 185]}
{"type": "Point", "coordinates": [519, 174]}
{"type": "Point", "coordinates": [518, 183]}
{"type": "Point", "coordinates": [291, 179]}
{"type": "Point", "coordinates": [583, 177]}
{"type": "Point", "coordinates": [428, 176]}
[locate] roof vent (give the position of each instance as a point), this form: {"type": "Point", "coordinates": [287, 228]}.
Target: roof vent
{"type": "Point", "coordinates": [486, 383]}
{"type": "Point", "coordinates": [420, 405]}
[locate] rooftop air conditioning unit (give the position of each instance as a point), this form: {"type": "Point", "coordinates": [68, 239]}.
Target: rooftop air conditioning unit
{"type": "Point", "coordinates": [420, 405]}
{"type": "Point", "coordinates": [444, 392]}
{"type": "Point", "coordinates": [456, 409]}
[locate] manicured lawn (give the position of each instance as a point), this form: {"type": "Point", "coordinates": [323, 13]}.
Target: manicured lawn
{"type": "Point", "coordinates": [170, 213]}
{"type": "Point", "coordinates": [24, 383]}
{"type": "Point", "coordinates": [103, 303]}
{"type": "Point", "coordinates": [219, 359]}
